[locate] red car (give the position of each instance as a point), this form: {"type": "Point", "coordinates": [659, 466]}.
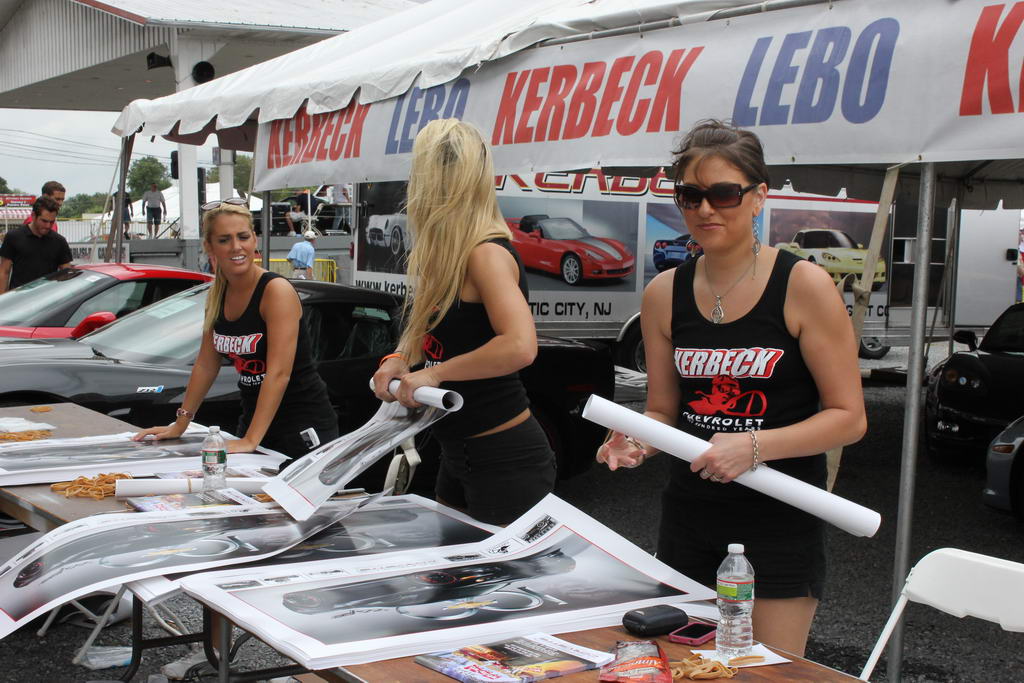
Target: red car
{"type": "Point", "coordinates": [74, 301]}
{"type": "Point", "coordinates": [563, 247]}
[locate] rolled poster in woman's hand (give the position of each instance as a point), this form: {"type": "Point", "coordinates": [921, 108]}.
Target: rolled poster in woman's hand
{"type": "Point", "coordinates": [847, 515]}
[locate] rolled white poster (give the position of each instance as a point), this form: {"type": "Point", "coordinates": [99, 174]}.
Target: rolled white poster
{"type": "Point", "coordinates": [845, 514]}
{"type": "Point", "coordinates": [431, 396]}
{"type": "Point", "coordinates": [124, 488]}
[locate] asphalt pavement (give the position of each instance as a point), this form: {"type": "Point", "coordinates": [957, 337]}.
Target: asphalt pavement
{"type": "Point", "coordinates": [947, 512]}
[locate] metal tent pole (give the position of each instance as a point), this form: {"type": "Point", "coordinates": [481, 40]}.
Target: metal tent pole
{"type": "Point", "coordinates": [266, 219]}
{"type": "Point", "coordinates": [117, 221]}
{"type": "Point", "coordinates": [912, 411]}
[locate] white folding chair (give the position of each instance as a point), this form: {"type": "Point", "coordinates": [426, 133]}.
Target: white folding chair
{"type": "Point", "coordinates": [960, 583]}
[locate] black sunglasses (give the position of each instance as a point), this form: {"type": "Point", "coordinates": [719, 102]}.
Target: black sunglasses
{"type": "Point", "coordinates": [719, 195]}
{"type": "Point", "coordinates": [237, 201]}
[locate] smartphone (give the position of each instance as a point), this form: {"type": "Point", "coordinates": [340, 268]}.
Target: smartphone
{"type": "Point", "coordinates": [694, 633]}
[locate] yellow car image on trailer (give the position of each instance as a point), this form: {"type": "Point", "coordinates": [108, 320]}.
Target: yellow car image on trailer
{"type": "Point", "coordinates": [835, 251]}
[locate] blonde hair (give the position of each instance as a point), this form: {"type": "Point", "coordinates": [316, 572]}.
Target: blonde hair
{"type": "Point", "coordinates": [452, 208]}
{"type": "Point", "coordinates": [215, 297]}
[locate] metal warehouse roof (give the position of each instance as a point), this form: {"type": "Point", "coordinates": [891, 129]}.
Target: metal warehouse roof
{"type": "Point", "coordinates": [326, 16]}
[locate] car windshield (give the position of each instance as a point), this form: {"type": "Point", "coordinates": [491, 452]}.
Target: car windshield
{"type": "Point", "coordinates": [1007, 334]}
{"type": "Point", "coordinates": [563, 229]}
{"type": "Point", "coordinates": [823, 239]}
{"type": "Point", "coordinates": [32, 304]}
{"type": "Point", "coordinates": [168, 331]}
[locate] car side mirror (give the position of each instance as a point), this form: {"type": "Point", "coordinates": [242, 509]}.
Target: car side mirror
{"type": "Point", "coordinates": [91, 322]}
{"type": "Point", "coordinates": [966, 337]}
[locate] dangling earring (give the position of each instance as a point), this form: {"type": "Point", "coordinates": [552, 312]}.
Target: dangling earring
{"type": "Point", "coordinates": [756, 248]}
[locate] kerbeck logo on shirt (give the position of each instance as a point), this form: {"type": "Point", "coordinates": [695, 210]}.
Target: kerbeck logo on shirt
{"type": "Point", "coordinates": [754, 362]}
{"type": "Point", "coordinates": [244, 345]}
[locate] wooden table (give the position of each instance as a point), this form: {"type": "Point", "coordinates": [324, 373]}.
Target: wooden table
{"type": "Point", "coordinates": [408, 671]}
{"type": "Point", "coordinates": [35, 504]}
{"type": "Point", "coordinates": [40, 508]}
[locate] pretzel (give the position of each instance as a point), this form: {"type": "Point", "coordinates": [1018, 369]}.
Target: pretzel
{"type": "Point", "coordinates": [97, 488]}
{"type": "Point", "coordinates": [26, 435]}
{"type": "Point", "coordinates": [41, 409]}
{"type": "Point", "coordinates": [749, 659]}
{"type": "Point", "coordinates": [696, 668]}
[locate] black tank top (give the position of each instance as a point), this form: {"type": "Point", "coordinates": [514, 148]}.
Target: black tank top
{"type": "Point", "coordinates": [491, 401]}
{"type": "Point", "coordinates": [740, 375]}
{"type": "Point", "coordinates": [244, 342]}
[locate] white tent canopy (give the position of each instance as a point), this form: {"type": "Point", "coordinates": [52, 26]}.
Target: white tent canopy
{"type": "Point", "coordinates": [436, 42]}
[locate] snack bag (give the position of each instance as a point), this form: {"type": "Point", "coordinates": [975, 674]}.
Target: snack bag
{"type": "Point", "coordinates": [637, 661]}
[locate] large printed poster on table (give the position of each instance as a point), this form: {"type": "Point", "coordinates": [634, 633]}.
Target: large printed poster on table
{"type": "Point", "coordinates": [552, 570]}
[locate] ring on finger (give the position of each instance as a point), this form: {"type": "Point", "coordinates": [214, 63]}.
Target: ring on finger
{"type": "Point", "coordinates": [704, 474]}
{"type": "Point", "coordinates": [715, 478]}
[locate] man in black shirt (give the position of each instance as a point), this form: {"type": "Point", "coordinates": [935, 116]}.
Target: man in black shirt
{"type": "Point", "coordinates": [33, 250]}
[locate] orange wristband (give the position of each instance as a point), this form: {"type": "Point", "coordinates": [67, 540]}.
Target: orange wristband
{"type": "Point", "coordinates": [390, 355]}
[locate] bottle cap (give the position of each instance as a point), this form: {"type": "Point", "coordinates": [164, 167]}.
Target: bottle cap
{"type": "Point", "coordinates": [736, 548]}
{"type": "Point", "coordinates": [214, 429]}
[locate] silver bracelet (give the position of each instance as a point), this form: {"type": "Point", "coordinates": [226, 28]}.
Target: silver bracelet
{"type": "Point", "coordinates": [757, 450]}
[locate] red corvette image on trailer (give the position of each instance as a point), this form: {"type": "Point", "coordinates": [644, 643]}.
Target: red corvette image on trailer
{"type": "Point", "coordinates": [563, 247]}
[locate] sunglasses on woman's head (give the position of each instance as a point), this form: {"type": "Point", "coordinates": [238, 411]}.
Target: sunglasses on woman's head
{"type": "Point", "coordinates": [719, 195]}
{"type": "Point", "coordinates": [236, 201]}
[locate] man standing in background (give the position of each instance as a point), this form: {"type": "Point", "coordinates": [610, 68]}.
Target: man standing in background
{"type": "Point", "coordinates": [156, 207]}
{"type": "Point", "coordinates": [54, 191]}
{"type": "Point", "coordinates": [31, 251]}
{"type": "Point", "coordinates": [302, 257]}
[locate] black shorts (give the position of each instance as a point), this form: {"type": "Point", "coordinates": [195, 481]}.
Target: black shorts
{"type": "Point", "coordinates": [497, 477]}
{"type": "Point", "coordinates": [153, 213]}
{"type": "Point", "coordinates": [786, 547]}
{"type": "Point", "coordinates": [290, 443]}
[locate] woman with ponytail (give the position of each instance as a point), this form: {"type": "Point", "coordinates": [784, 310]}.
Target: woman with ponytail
{"type": "Point", "coordinates": [254, 319]}
{"type": "Point", "coordinates": [468, 327]}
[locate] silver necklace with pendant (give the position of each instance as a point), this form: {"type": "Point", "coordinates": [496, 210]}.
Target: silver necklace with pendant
{"type": "Point", "coordinates": [718, 313]}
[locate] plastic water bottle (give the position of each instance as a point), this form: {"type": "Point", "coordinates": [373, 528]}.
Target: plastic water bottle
{"type": "Point", "coordinates": [735, 603]}
{"type": "Point", "coordinates": [215, 460]}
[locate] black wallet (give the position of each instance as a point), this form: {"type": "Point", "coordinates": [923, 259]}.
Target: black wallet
{"type": "Point", "coordinates": [656, 620]}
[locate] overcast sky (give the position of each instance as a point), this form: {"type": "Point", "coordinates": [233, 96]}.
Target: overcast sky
{"type": "Point", "coordinates": [75, 148]}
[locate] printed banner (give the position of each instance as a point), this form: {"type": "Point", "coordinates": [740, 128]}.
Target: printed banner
{"type": "Point", "coordinates": [851, 82]}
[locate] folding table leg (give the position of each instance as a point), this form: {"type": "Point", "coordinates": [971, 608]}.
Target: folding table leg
{"type": "Point", "coordinates": [101, 622]}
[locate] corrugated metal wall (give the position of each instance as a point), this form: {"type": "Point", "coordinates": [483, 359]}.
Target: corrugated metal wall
{"type": "Point", "coordinates": [49, 38]}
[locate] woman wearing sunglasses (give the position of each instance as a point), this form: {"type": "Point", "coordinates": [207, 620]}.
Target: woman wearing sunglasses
{"type": "Point", "coordinates": [254, 319]}
{"type": "Point", "coordinates": [749, 348]}
{"type": "Point", "coordinates": [469, 328]}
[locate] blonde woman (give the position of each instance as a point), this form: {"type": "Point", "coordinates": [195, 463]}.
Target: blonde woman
{"type": "Point", "coordinates": [469, 328]}
{"type": "Point", "coordinates": [254, 319]}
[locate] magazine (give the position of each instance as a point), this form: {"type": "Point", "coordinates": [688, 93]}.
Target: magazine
{"type": "Point", "coordinates": [527, 658]}
{"type": "Point", "coordinates": [185, 501]}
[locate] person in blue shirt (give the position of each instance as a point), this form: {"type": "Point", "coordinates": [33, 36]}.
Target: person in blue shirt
{"type": "Point", "coordinates": [301, 257]}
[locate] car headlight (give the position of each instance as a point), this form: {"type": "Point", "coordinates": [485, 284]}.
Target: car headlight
{"type": "Point", "coordinates": [829, 257]}
{"type": "Point", "coordinates": [596, 255]}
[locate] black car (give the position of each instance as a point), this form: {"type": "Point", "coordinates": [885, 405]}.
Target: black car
{"type": "Point", "coordinates": [973, 395]}
{"type": "Point", "coordinates": [137, 367]}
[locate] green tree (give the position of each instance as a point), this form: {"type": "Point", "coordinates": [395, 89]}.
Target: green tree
{"type": "Point", "coordinates": [78, 204]}
{"type": "Point", "coordinates": [145, 171]}
{"type": "Point", "coordinates": [5, 189]}
{"type": "Point", "coordinates": [243, 167]}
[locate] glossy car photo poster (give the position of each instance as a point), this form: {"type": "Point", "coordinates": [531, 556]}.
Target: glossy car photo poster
{"type": "Point", "coordinates": [388, 524]}
{"type": "Point", "coordinates": [315, 477]}
{"type": "Point", "coordinates": [103, 551]}
{"type": "Point", "coordinates": [53, 460]}
{"type": "Point", "coordinates": [553, 570]}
